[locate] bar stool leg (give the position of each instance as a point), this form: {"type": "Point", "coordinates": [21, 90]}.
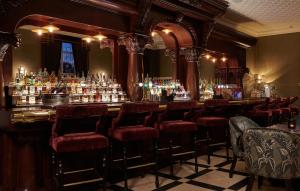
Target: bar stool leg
{"type": "Point", "coordinates": [104, 168]}
{"type": "Point", "coordinates": [125, 166]}
{"type": "Point", "coordinates": [171, 156]}
{"type": "Point", "coordinates": [195, 153]}
{"type": "Point", "coordinates": [156, 163]}
{"type": "Point", "coordinates": [208, 147]}
{"type": "Point", "coordinates": [60, 173]}
{"type": "Point", "coordinates": [53, 171]}
{"type": "Point", "coordinates": [227, 142]}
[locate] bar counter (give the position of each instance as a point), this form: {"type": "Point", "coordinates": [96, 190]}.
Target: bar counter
{"type": "Point", "coordinates": [25, 160]}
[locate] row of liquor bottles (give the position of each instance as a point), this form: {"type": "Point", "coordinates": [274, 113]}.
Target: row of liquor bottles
{"type": "Point", "coordinates": [160, 89]}
{"type": "Point", "coordinates": [31, 88]}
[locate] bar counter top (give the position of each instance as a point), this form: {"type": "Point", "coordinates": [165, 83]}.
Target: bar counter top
{"type": "Point", "coordinates": [47, 112]}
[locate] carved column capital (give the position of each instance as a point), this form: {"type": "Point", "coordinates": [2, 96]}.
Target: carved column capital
{"type": "Point", "coordinates": [134, 43]}
{"type": "Point", "coordinates": [107, 43]}
{"type": "Point", "coordinates": [7, 39]}
{"type": "Point", "coordinates": [171, 53]}
{"type": "Point", "coordinates": [190, 54]}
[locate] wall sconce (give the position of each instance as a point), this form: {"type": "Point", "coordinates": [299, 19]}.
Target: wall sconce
{"type": "Point", "coordinates": [87, 39]}
{"type": "Point", "coordinates": [51, 28]}
{"type": "Point", "coordinates": [214, 60]}
{"type": "Point", "coordinates": [100, 37]}
{"type": "Point", "coordinates": [39, 31]}
{"type": "Point", "coordinates": [258, 78]}
{"type": "Point", "coordinates": [153, 34]}
{"type": "Point", "coordinates": [167, 31]}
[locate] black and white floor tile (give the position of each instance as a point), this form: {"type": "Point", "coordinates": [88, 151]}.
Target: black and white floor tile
{"type": "Point", "coordinates": [210, 177]}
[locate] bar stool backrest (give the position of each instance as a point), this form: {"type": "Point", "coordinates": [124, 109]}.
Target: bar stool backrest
{"type": "Point", "coordinates": [216, 102]}
{"type": "Point", "coordinates": [272, 153]}
{"type": "Point", "coordinates": [176, 110]}
{"type": "Point", "coordinates": [135, 113]}
{"type": "Point", "coordinates": [77, 118]}
{"type": "Point", "coordinates": [216, 107]}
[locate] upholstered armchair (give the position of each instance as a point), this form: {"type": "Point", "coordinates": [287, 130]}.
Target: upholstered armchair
{"type": "Point", "coordinates": [237, 126]}
{"type": "Point", "coordinates": [272, 153]}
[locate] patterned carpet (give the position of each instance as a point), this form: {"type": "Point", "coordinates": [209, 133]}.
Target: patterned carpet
{"type": "Point", "coordinates": [210, 177]}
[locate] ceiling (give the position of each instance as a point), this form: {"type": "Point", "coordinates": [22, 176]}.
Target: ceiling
{"type": "Point", "coordinates": [263, 17]}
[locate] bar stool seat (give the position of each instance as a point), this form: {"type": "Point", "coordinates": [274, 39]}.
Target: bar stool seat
{"type": "Point", "coordinates": [76, 142]}
{"type": "Point", "coordinates": [212, 121]}
{"type": "Point", "coordinates": [177, 126]}
{"type": "Point", "coordinates": [135, 133]}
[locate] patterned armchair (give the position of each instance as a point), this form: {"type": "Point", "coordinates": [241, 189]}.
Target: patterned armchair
{"type": "Point", "coordinates": [272, 153]}
{"type": "Point", "coordinates": [237, 126]}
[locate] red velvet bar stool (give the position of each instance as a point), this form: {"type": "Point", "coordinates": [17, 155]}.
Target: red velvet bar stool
{"type": "Point", "coordinates": [172, 123]}
{"type": "Point", "coordinates": [134, 124]}
{"type": "Point", "coordinates": [261, 114]}
{"type": "Point", "coordinates": [214, 121]}
{"type": "Point", "coordinates": [75, 132]}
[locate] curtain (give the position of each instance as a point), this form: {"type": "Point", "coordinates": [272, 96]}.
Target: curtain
{"type": "Point", "coordinates": [51, 52]}
{"type": "Point", "coordinates": [81, 58]}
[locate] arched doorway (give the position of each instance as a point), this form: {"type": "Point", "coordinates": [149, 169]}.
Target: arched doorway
{"type": "Point", "coordinates": [179, 45]}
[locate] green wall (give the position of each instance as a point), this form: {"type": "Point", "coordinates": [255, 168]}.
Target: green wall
{"type": "Point", "coordinates": [28, 54]}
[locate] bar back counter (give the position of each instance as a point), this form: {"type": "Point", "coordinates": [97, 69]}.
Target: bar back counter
{"type": "Point", "coordinates": [25, 153]}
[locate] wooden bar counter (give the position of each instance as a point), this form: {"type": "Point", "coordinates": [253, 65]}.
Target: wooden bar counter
{"type": "Point", "coordinates": [25, 152]}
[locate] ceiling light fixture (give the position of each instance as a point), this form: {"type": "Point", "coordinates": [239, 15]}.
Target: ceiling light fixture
{"type": "Point", "coordinates": [167, 31]}
{"type": "Point", "coordinates": [39, 31]}
{"type": "Point", "coordinates": [87, 39]}
{"type": "Point", "coordinates": [207, 56]}
{"type": "Point", "coordinates": [51, 28]}
{"type": "Point", "coordinates": [223, 59]}
{"type": "Point", "coordinates": [214, 60]}
{"type": "Point", "coordinates": [100, 37]}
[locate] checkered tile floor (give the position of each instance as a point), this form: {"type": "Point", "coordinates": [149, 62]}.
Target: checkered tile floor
{"type": "Point", "coordinates": [210, 177]}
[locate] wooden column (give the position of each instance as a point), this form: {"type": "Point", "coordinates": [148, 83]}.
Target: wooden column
{"type": "Point", "coordinates": [6, 39]}
{"type": "Point", "coordinates": [192, 76]}
{"type": "Point", "coordinates": [134, 44]}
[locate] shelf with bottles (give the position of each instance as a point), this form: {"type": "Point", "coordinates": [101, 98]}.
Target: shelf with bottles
{"type": "Point", "coordinates": [163, 88]}
{"type": "Point", "coordinates": [32, 88]}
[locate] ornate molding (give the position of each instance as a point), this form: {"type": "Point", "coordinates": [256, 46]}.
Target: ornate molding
{"type": "Point", "coordinates": [134, 43]}
{"type": "Point", "coordinates": [204, 32]}
{"type": "Point", "coordinates": [7, 39]}
{"type": "Point", "coordinates": [6, 5]}
{"type": "Point", "coordinates": [144, 10]}
{"type": "Point", "coordinates": [3, 50]}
